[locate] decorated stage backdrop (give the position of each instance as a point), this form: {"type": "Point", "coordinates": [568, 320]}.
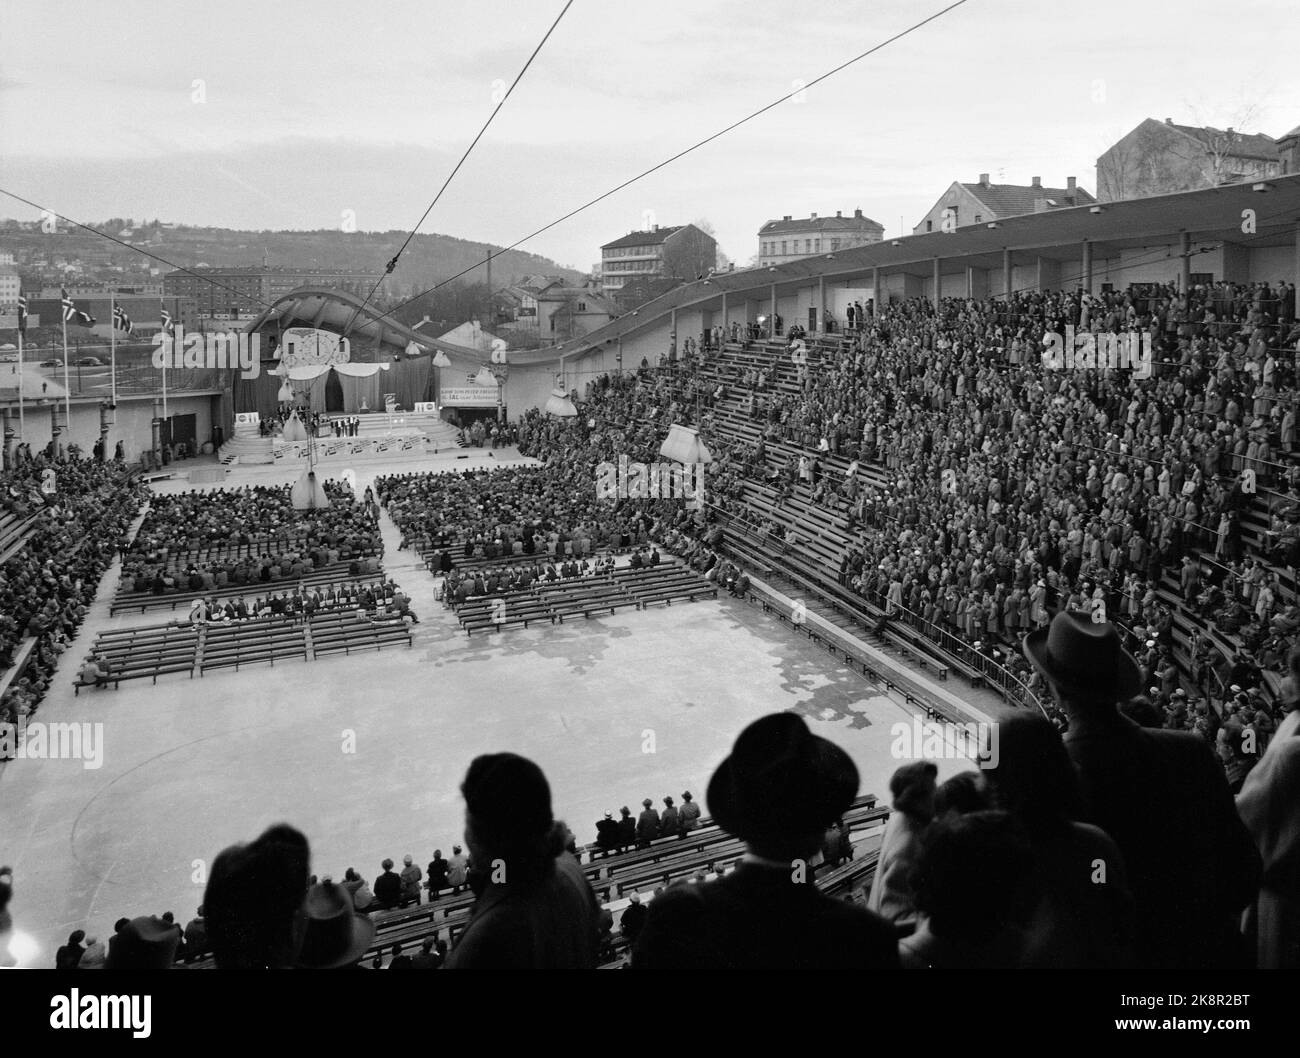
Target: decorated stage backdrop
{"type": "Point", "coordinates": [318, 362]}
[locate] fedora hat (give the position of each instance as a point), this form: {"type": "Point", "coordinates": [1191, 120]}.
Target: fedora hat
{"type": "Point", "coordinates": [781, 783]}
{"type": "Point", "coordinates": [145, 943]}
{"type": "Point", "coordinates": [1077, 655]}
{"type": "Point", "coordinates": [336, 935]}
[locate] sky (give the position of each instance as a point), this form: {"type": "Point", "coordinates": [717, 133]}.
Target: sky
{"type": "Point", "coordinates": [307, 114]}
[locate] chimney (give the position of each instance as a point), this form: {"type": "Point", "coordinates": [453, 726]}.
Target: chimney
{"type": "Point", "coordinates": [786, 217]}
{"type": "Point", "coordinates": [1169, 121]}
{"type": "Point", "coordinates": [1069, 183]}
{"type": "Point", "coordinates": [654, 227]}
{"type": "Point", "coordinates": [857, 214]}
{"type": "Point", "coordinates": [1036, 181]}
{"type": "Point", "coordinates": [813, 217]}
{"type": "Point", "coordinates": [839, 213]}
{"type": "Point", "coordinates": [984, 179]}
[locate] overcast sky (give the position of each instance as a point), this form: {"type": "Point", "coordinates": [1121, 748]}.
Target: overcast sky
{"type": "Point", "coordinates": [286, 114]}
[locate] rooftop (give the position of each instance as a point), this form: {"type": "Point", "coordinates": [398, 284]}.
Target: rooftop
{"type": "Point", "coordinates": [652, 237]}
{"type": "Point", "coordinates": [839, 222]}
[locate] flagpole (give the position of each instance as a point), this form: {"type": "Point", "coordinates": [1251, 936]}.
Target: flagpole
{"type": "Point", "coordinates": [67, 382]}
{"type": "Point", "coordinates": [112, 348]}
{"type": "Point", "coordinates": [21, 434]}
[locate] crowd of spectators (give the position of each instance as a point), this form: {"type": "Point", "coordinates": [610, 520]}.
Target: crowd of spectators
{"type": "Point", "coordinates": [1079, 489]}
{"type": "Point", "coordinates": [281, 543]}
{"type": "Point", "coordinates": [81, 508]}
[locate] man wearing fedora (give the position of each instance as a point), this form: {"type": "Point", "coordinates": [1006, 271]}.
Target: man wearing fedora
{"type": "Point", "coordinates": [777, 791]}
{"type": "Point", "coordinates": [336, 936]}
{"type": "Point", "coordinates": [145, 943]}
{"type": "Point", "coordinates": [1160, 795]}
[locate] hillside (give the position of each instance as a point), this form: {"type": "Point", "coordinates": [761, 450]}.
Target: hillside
{"type": "Point", "coordinates": [428, 259]}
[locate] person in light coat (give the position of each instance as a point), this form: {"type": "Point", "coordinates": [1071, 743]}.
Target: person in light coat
{"type": "Point", "coordinates": [912, 788]}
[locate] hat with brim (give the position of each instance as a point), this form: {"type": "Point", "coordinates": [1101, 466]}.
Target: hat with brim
{"type": "Point", "coordinates": [145, 943]}
{"type": "Point", "coordinates": [336, 935]}
{"type": "Point", "coordinates": [1080, 657]}
{"type": "Point", "coordinates": [780, 784]}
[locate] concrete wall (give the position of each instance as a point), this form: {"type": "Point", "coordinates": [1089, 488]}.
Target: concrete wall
{"type": "Point", "coordinates": [1271, 263]}
{"type": "Point", "coordinates": [133, 425]}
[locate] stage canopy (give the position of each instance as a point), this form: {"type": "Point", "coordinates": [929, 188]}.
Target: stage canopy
{"type": "Point", "coordinates": [347, 358]}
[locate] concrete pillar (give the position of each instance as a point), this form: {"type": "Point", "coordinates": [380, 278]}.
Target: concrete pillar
{"type": "Point", "coordinates": [1295, 271]}
{"type": "Point", "coordinates": [936, 284]}
{"type": "Point", "coordinates": [1185, 264]}
{"type": "Point", "coordinates": [821, 304]}
{"type": "Point", "coordinates": [771, 318]}
{"type": "Point", "coordinates": [877, 294]}
{"type": "Point", "coordinates": [1085, 279]}
{"type": "Point", "coordinates": [8, 438]}
{"type": "Point", "coordinates": [56, 428]}
{"type": "Point", "coordinates": [724, 311]}
{"type": "Point", "coordinates": [1236, 263]}
{"type": "Point", "coordinates": [156, 428]}
{"type": "Point", "coordinates": [105, 421]}
{"type": "Point", "coordinates": [1006, 274]}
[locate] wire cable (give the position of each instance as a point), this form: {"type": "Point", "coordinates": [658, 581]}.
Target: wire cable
{"type": "Point", "coordinates": [683, 153]}
{"type": "Point", "coordinates": [392, 264]}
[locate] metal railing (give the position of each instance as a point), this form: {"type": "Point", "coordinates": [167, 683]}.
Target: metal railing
{"type": "Point", "coordinates": [995, 674]}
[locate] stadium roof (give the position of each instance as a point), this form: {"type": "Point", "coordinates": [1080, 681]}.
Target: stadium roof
{"type": "Point", "coordinates": [1209, 216]}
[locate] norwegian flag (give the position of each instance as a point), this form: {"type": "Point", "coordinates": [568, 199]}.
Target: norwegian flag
{"type": "Point", "coordinates": [72, 314]}
{"type": "Point", "coordinates": [22, 313]}
{"type": "Point", "coordinates": [121, 320]}
{"type": "Point", "coordinates": [166, 318]}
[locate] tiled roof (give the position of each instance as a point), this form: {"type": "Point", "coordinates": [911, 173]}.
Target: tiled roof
{"type": "Point", "coordinates": [642, 238]}
{"type": "Point", "coordinates": [1013, 200]}
{"type": "Point", "coordinates": [780, 227]}
{"type": "Point", "coordinates": [1239, 144]}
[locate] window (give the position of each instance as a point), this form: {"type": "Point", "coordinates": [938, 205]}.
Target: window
{"type": "Point", "coordinates": [835, 245]}
{"type": "Point", "coordinates": [582, 306]}
{"type": "Point", "coordinates": [817, 245]}
{"type": "Point", "coordinates": [978, 218]}
{"type": "Point", "coordinates": [929, 225]}
{"type": "Point", "coordinates": [782, 247]}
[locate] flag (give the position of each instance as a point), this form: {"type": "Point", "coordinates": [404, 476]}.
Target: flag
{"type": "Point", "coordinates": [121, 320]}
{"type": "Point", "coordinates": [72, 314]}
{"type": "Point", "coordinates": [22, 313]}
{"type": "Point", "coordinates": [166, 318]}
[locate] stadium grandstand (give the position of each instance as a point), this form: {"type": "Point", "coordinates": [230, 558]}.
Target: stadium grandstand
{"type": "Point", "coordinates": [931, 603]}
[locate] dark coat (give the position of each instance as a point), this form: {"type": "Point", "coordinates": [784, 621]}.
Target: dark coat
{"type": "Point", "coordinates": [1163, 798]}
{"type": "Point", "coordinates": [647, 825]}
{"type": "Point", "coordinates": [607, 834]}
{"type": "Point", "coordinates": [549, 925]}
{"type": "Point", "coordinates": [388, 889]}
{"type": "Point", "coordinates": [627, 831]}
{"type": "Point", "coordinates": [759, 918]}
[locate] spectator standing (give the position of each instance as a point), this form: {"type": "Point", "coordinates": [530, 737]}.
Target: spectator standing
{"type": "Point", "coordinates": [777, 790]}
{"type": "Point", "coordinates": [1160, 795]}
{"type": "Point", "coordinates": [535, 910]}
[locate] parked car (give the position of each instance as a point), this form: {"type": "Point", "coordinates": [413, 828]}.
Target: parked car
{"type": "Point", "coordinates": [51, 363]}
{"type": "Point", "coordinates": [90, 361]}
